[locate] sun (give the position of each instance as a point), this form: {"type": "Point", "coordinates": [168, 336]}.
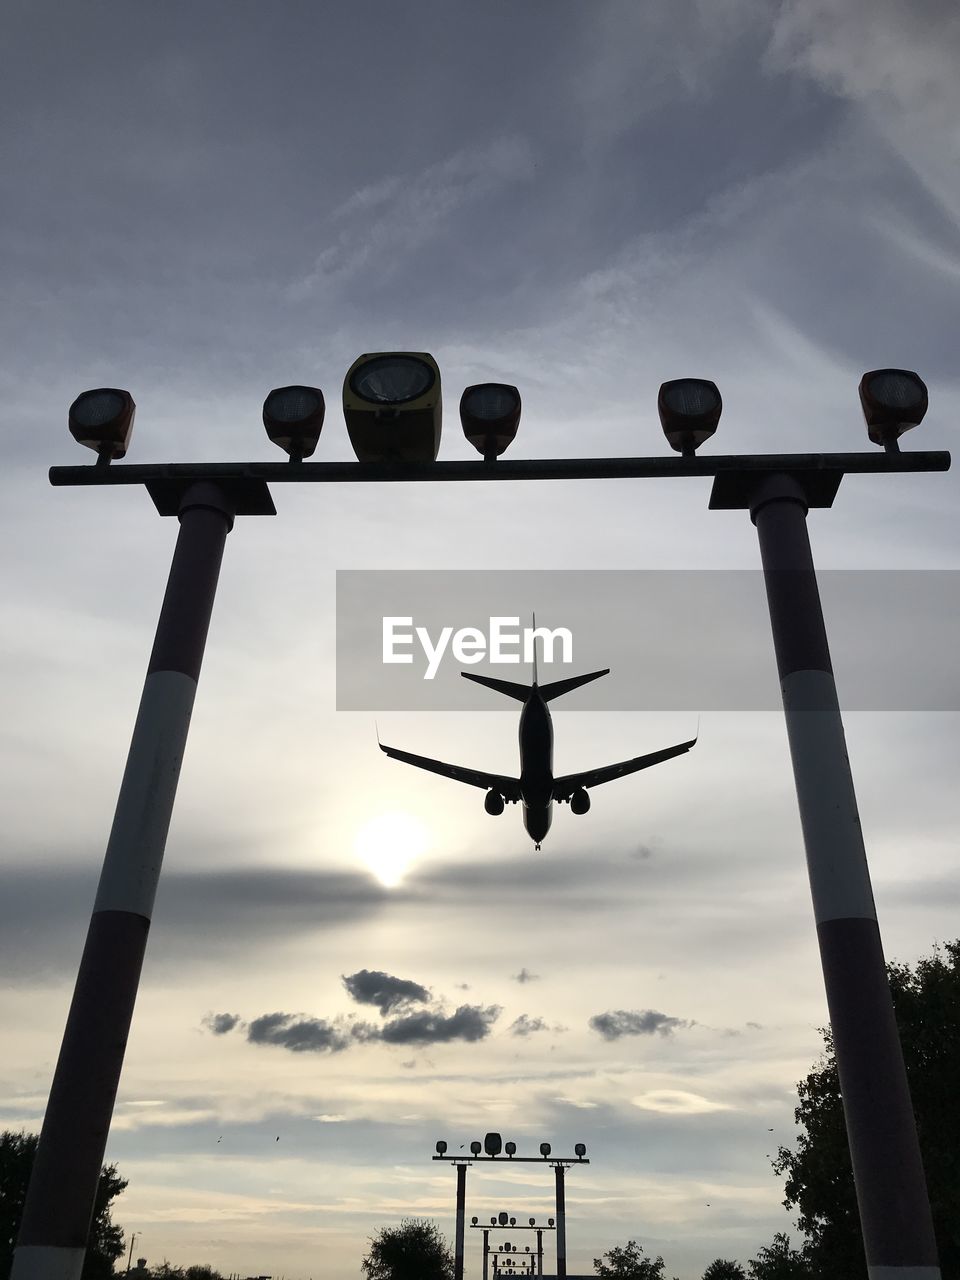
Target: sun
{"type": "Point", "coordinates": [389, 843]}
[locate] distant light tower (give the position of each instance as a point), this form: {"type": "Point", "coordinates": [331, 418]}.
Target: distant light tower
{"type": "Point", "coordinates": [503, 1221]}
{"type": "Point", "coordinates": [493, 1145]}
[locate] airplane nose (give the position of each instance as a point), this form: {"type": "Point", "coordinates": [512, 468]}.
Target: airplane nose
{"type": "Point", "coordinates": [538, 824]}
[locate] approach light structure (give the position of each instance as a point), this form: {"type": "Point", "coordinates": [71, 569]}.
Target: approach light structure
{"type": "Point", "coordinates": [893, 401]}
{"type": "Point", "coordinates": [689, 410]}
{"type": "Point", "coordinates": [102, 419]}
{"type": "Point", "coordinates": [392, 406]}
{"type": "Point", "coordinates": [293, 417]}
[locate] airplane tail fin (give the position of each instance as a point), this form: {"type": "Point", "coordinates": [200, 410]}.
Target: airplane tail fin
{"type": "Point", "coordinates": [559, 687]}
{"type": "Point", "coordinates": [519, 691]}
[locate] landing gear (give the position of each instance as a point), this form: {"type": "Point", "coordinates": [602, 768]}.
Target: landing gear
{"type": "Point", "coordinates": [537, 846]}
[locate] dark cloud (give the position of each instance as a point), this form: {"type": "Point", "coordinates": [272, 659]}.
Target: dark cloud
{"type": "Point", "coordinates": [526, 1026]}
{"type": "Point", "coordinates": [634, 1022]}
{"type": "Point", "coordinates": [526, 976]}
{"type": "Point", "coordinates": [203, 915]}
{"type": "Point", "coordinates": [221, 1023]}
{"type": "Point", "coordinates": [470, 1022]}
{"type": "Point", "coordinates": [297, 1033]}
{"type": "Point", "coordinates": [301, 1034]}
{"type": "Point", "coordinates": [372, 986]}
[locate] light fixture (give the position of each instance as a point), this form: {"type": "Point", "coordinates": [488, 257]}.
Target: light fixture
{"type": "Point", "coordinates": [293, 417]}
{"type": "Point", "coordinates": [504, 1218]}
{"type": "Point", "coordinates": [511, 1148]}
{"type": "Point", "coordinates": [441, 1147]}
{"type": "Point", "coordinates": [544, 1148]}
{"type": "Point", "coordinates": [580, 1149]}
{"type": "Point", "coordinates": [689, 410]}
{"type": "Point", "coordinates": [102, 419]}
{"type": "Point", "coordinates": [490, 415]}
{"type": "Point", "coordinates": [474, 1221]}
{"type": "Point", "coordinates": [893, 401]}
{"type": "Point", "coordinates": [391, 403]}
{"type": "Point", "coordinates": [492, 1144]}
{"type": "Point", "coordinates": [475, 1148]}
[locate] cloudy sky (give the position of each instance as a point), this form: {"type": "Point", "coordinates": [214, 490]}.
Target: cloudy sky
{"type": "Point", "coordinates": [348, 959]}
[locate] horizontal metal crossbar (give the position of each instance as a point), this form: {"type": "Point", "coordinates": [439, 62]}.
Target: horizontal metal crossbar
{"type": "Point", "coordinates": [551, 1160]}
{"type": "Point", "coordinates": [501, 469]}
{"type": "Point", "coordinates": [735, 474]}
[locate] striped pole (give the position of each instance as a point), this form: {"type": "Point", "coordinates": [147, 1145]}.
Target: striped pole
{"type": "Point", "coordinates": [561, 1224]}
{"type": "Point", "coordinates": [461, 1214]}
{"type": "Point", "coordinates": [60, 1198]}
{"type": "Point", "coordinates": [891, 1189]}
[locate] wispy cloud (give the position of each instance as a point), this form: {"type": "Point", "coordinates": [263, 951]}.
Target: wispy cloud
{"type": "Point", "coordinates": [382, 222]}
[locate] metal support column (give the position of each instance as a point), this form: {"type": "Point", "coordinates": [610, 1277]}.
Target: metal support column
{"type": "Point", "coordinates": [561, 1224]}
{"type": "Point", "coordinates": [461, 1211]}
{"type": "Point", "coordinates": [891, 1190]}
{"type": "Point", "coordinates": [58, 1209]}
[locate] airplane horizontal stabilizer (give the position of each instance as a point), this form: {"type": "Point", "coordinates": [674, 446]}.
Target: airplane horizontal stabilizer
{"type": "Point", "coordinates": [559, 687]}
{"type": "Point", "coordinates": [519, 691]}
{"type": "Point", "coordinates": [508, 787]}
{"type": "Point", "coordinates": [563, 788]}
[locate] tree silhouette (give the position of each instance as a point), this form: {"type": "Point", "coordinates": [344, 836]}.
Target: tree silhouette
{"type": "Point", "coordinates": [819, 1175]}
{"type": "Point", "coordinates": [413, 1251]}
{"type": "Point", "coordinates": [105, 1244]}
{"type": "Point", "coordinates": [721, 1269]}
{"type": "Point", "coordinates": [779, 1262]}
{"type": "Point", "coordinates": [628, 1262]}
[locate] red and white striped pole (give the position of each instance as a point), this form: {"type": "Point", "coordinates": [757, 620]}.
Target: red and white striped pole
{"type": "Point", "coordinates": [63, 1185]}
{"type": "Point", "coordinates": [895, 1215]}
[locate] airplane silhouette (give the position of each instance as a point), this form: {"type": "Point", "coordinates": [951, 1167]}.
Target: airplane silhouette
{"type": "Point", "coordinates": [536, 787]}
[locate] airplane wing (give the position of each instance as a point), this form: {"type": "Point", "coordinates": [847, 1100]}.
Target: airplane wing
{"type": "Point", "coordinates": [509, 788]}
{"type": "Point", "coordinates": [563, 788]}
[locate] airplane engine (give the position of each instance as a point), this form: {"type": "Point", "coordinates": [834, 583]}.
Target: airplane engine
{"type": "Point", "coordinates": [579, 802]}
{"type": "Point", "coordinates": [493, 803]}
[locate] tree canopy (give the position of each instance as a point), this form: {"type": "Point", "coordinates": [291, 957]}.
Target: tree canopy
{"type": "Point", "coordinates": [722, 1269]}
{"type": "Point", "coordinates": [628, 1262]}
{"type": "Point", "coordinates": [819, 1176]}
{"type": "Point", "coordinates": [17, 1151]}
{"type": "Point", "coordinates": [779, 1262]}
{"type": "Point", "coordinates": [413, 1251]}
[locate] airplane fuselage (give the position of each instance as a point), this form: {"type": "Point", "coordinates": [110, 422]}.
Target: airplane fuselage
{"type": "Point", "coordinates": [536, 766]}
